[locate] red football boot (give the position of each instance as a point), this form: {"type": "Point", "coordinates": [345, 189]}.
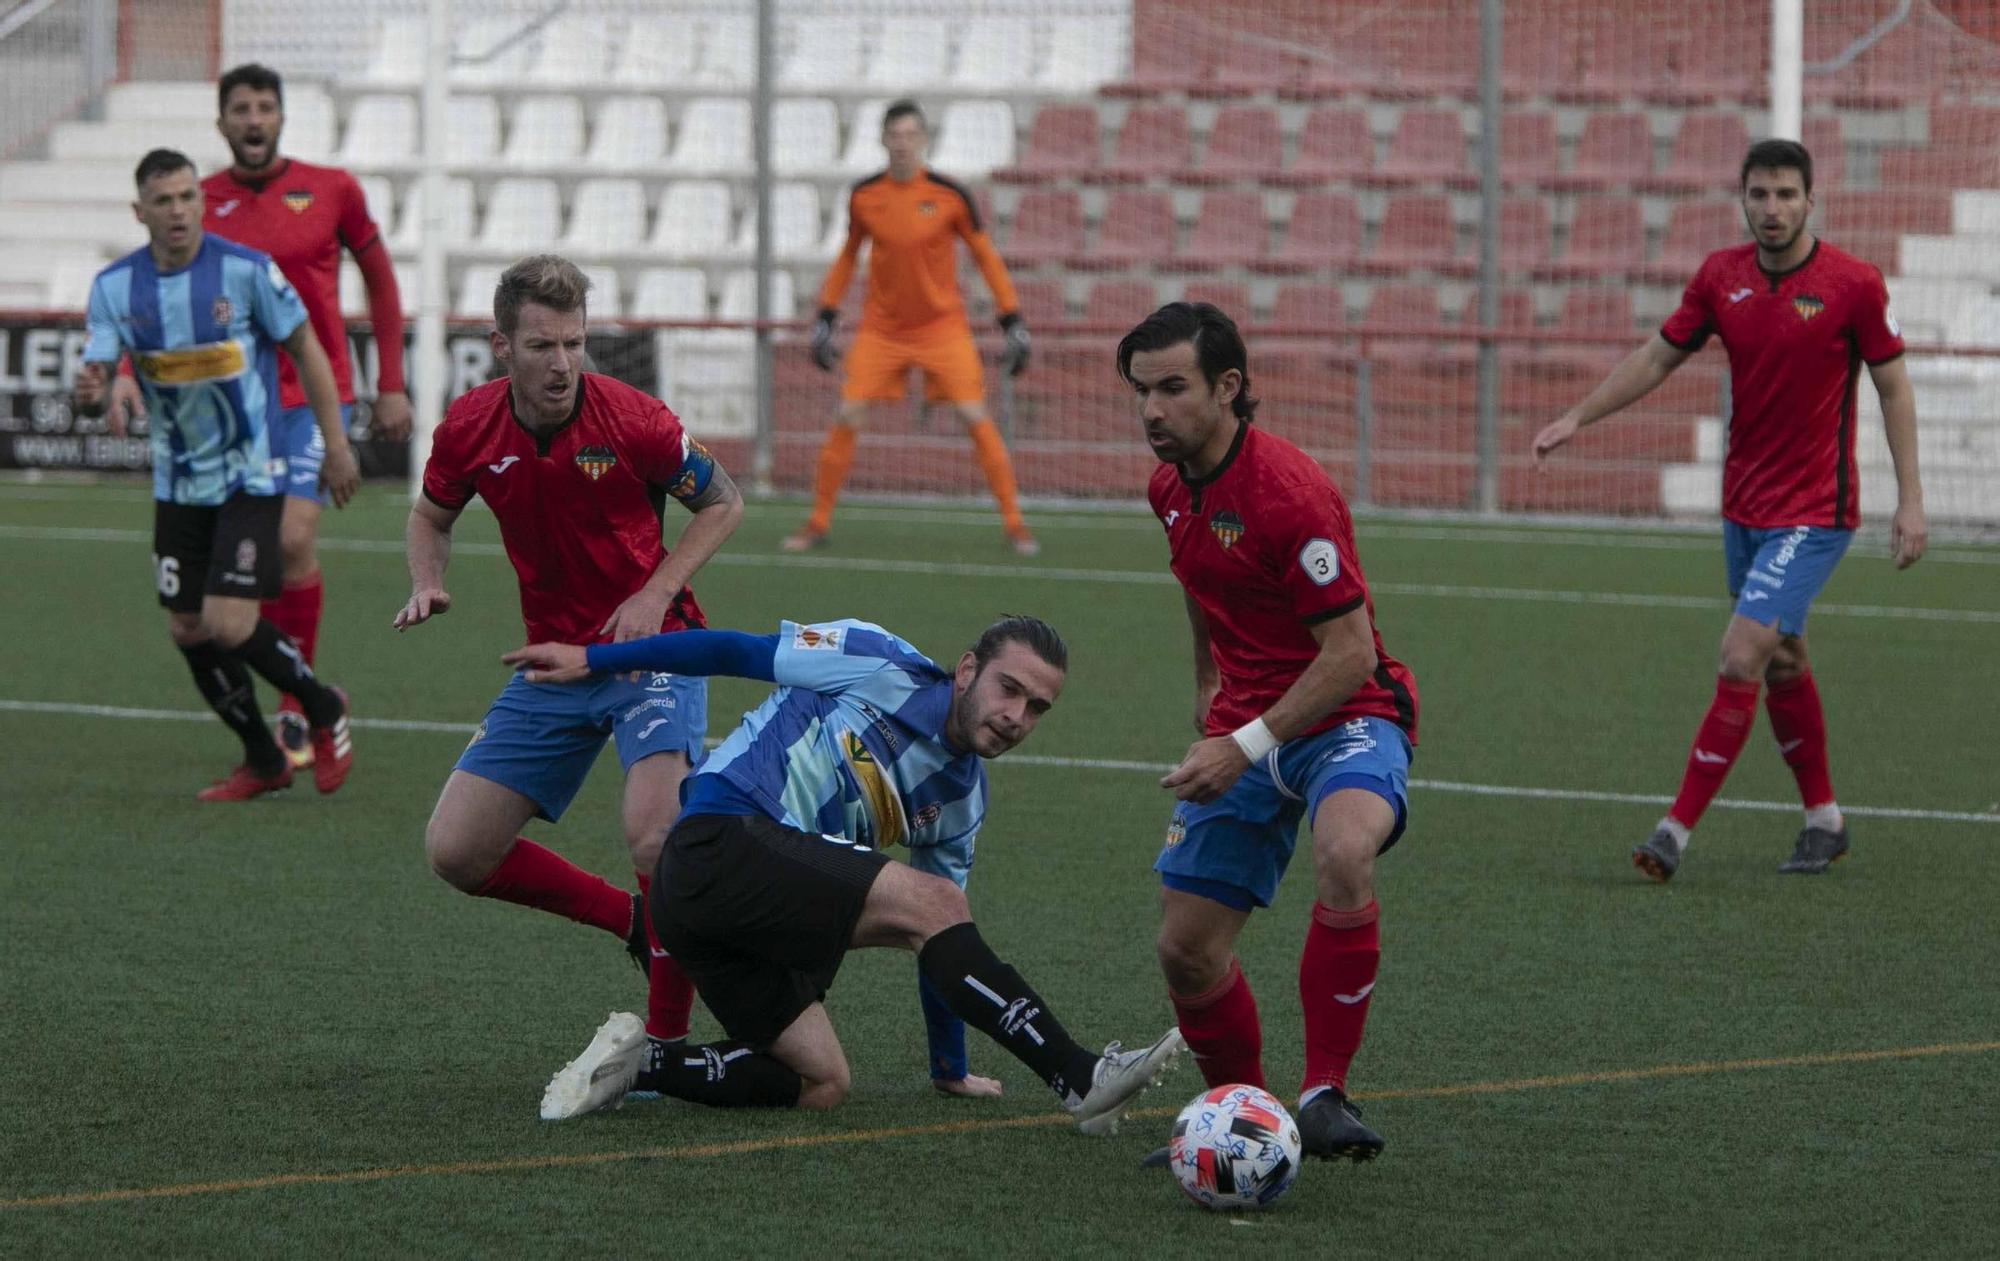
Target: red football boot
{"type": "Point", "coordinates": [243, 783]}
{"type": "Point", "coordinates": [333, 750]}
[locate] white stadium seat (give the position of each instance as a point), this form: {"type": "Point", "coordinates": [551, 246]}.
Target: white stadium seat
{"type": "Point", "coordinates": [157, 102]}
{"type": "Point", "coordinates": [30, 182]}
{"type": "Point", "coordinates": [459, 216]}
{"type": "Point", "coordinates": [835, 238]}
{"type": "Point", "coordinates": [353, 296]}
{"type": "Point", "coordinates": [547, 131]}
{"type": "Point", "coordinates": [977, 137]}
{"type": "Point", "coordinates": [522, 216]}
{"type": "Point", "coordinates": [631, 132]}
{"type": "Point", "coordinates": [695, 220]}
{"type": "Point", "coordinates": [864, 154]}
{"type": "Point", "coordinates": [657, 52]}
{"type": "Point", "coordinates": [310, 122]}
{"type": "Point", "coordinates": [826, 52]}
{"type": "Point", "coordinates": [795, 231]}
{"type": "Point", "coordinates": [576, 52]}
{"type": "Point", "coordinates": [739, 295]}
{"type": "Point", "coordinates": [728, 53]}
{"type": "Point", "coordinates": [714, 137]}
{"type": "Point", "coordinates": [69, 275]}
{"type": "Point", "coordinates": [805, 135]}
{"type": "Point", "coordinates": [475, 291]}
{"type": "Point", "coordinates": [1084, 53]}
{"type": "Point", "coordinates": [125, 140]}
{"type": "Point", "coordinates": [606, 301]}
{"type": "Point", "coordinates": [472, 131]}
{"type": "Point", "coordinates": [995, 53]}
{"type": "Point", "coordinates": [398, 54]}
{"type": "Point", "coordinates": [670, 293]}
{"type": "Point", "coordinates": [380, 197]}
{"type": "Point", "coordinates": [381, 132]}
{"type": "Point", "coordinates": [607, 217]}
{"type": "Point", "coordinates": [493, 51]}
{"type": "Point", "coordinates": [911, 54]}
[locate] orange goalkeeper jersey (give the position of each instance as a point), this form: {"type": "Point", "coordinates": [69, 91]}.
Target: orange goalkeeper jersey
{"type": "Point", "coordinates": [912, 268]}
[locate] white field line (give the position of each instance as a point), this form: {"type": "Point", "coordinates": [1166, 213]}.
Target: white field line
{"type": "Point", "coordinates": [71, 709]}
{"type": "Point", "coordinates": [1127, 577]}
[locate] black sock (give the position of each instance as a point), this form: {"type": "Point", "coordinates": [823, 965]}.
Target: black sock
{"type": "Point", "coordinates": [991, 997]}
{"type": "Point", "coordinates": [278, 659]}
{"type": "Point", "coordinates": [720, 1075]}
{"type": "Point", "coordinates": [226, 686]}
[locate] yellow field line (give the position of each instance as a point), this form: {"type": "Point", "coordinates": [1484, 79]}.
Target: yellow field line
{"type": "Point", "coordinates": [514, 1164]}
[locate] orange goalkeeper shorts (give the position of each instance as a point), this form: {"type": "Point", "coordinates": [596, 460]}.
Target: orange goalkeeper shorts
{"type": "Point", "coordinates": [877, 367]}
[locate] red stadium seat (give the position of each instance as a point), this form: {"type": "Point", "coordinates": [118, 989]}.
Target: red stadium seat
{"type": "Point", "coordinates": [1537, 55]}
{"type": "Point", "coordinates": [1707, 154]}
{"type": "Point", "coordinates": [1620, 60]}
{"type": "Point", "coordinates": [1409, 307]}
{"type": "Point", "coordinates": [1047, 227]}
{"type": "Point", "coordinates": [1233, 299]}
{"type": "Point", "coordinates": [1592, 310]}
{"type": "Point", "coordinates": [1041, 303]}
{"type": "Point", "coordinates": [1229, 231]}
{"type": "Point", "coordinates": [1938, 169]}
{"type": "Point", "coordinates": [1361, 62]}
{"type": "Point", "coordinates": [1614, 150]}
{"type": "Point", "coordinates": [1607, 237]}
{"type": "Point", "coordinates": [1516, 316]}
{"type": "Point", "coordinates": [1170, 56]}
{"type": "Point", "coordinates": [1695, 229]}
{"type": "Point", "coordinates": [1898, 69]}
{"type": "Point", "coordinates": [1244, 143]}
{"type": "Point", "coordinates": [1437, 54]}
{"type": "Point", "coordinates": [1120, 302]}
{"type": "Point", "coordinates": [1250, 64]}
{"type": "Point", "coordinates": [1308, 309]}
{"type": "Point", "coordinates": [1062, 142]}
{"type": "Point", "coordinates": [1417, 232]}
{"type": "Point", "coordinates": [1428, 146]}
{"type": "Point", "coordinates": [1925, 211]}
{"type": "Point", "coordinates": [1137, 228]}
{"type": "Point", "coordinates": [1721, 61]}
{"type": "Point", "coordinates": [1324, 231]}
{"type": "Point", "coordinates": [1527, 150]}
{"type": "Point", "coordinates": [1152, 143]}
{"type": "Point", "coordinates": [1524, 239]}
{"type": "Point", "coordinates": [1334, 145]}
{"type": "Point", "coordinates": [1822, 139]}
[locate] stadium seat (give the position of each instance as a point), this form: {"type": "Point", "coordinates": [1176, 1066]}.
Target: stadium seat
{"type": "Point", "coordinates": [1232, 299]}
{"type": "Point", "coordinates": [977, 136]}
{"type": "Point", "coordinates": [353, 295]}
{"type": "Point", "coordinates": [1438, 53]}
{"type": "Point", "coordinates": [1896, 70]}
{"type": "Point", "coordinates": [1404, 306]}
{"type": "Point", "coordinates": [492, 52]}
{"type": "Point", "coordinates": [1821, 137]}
{"type": "Point", "coordinates": [99, 183]}
{"type": "Point", "coordinates": [1137, 229]}
{"type": "Point", "coordinates": [520, 211]}
{"type": "Point", "coordinates": [1255, 61]}
{"type": "Point", "coordinates": [1334, 145]}
{"type": "Point", "coordinates": [795, 232]}
{"type": "Point", "coordinates": [863, 154]}
{"type": "Point", "coordinates": [1041, 303]}
{"type": "Point", "coordinates": [995, 53]}
{"type": "Point", "coordinates": [381, 133]}
{"type": "Point", "coordinates": [1596, 310]}
{"type": "Point", "coordinates": [714, 137]}
{"type": "Point", "coordinates": [1538, 53]}
{"type": "Point", "coordinates": [547, 131]}
{"type": "Point", "coordinates": [695, 220]}
{"type": "Point", "coordinates": [1084, 54]}
{"type": "Point", "coordinates": [475, 291]}
{"type": "Point", "coordinates": [1524, 239]}
{"type": "Point", "coordinates": [1607, 237]}
{"type": "Point", "coordinates": [1171, 55]}
{"type": "Point", "coordinates": [911, 53]}
{"type": "Point", "coordinates": [1322, 231]}
{"type": "Point", "coordinates": [310, 122]}
{"type": "Point", "coordinates": [577, 55]}
{"type": "Point", "coordinates": [656, 51]}
{"type": "Point", "coordinates": [1924, 211]}
{"type": "Point", "coordinates": [70, 277]}
{"type": "Point", "coordinates": [607, 216]}
{"type": "Point", "coordinates": [1309, 309]}
{"type": "Point", "coordinates": [1062, 143]}
{"type": "Point", "coordinates": [1229, 231]}
{"type": "Point", "coordinates": [1528, 150]}
{"type": "Point", "coordinates": [1516, 313]}
{"type": "Point", "coordinates": [460, 218]}
{"type": "Point", "coordinates": [380, 197]}
{"type": "Point", "coordinates": [396, 58]}
{"type": "Point", "coordinates": [1152, 143]}
{"type": "Point", "coordinates": [826, 52]}
{"type": "Point", "coordinates": [606, 300]}
{"type": "Point", "coordinates": [631, 134]}
{"type": "Point", "coordinates": [739, 296]}
{"type": "Point", "coordinates": [670, 293]}
{"type": "Point", "coordinates": [805, 135]}
{"type": "Point", "coordinates": [1695, 229]}
{"type": "Point", "coordinates": [835, 238]}
{"type": "Point", "coordinates": [1707, 154]}
{"type": "Point", "coordinates": [728, 52]}
{"type": "Point", "coordinates": [1243, 144]}
{"type": "Point", "coordinates": [472, 131]}
{"type": "Point", "coordinates": [1047, 227]}
{"type": "Point", "coordinates": [1120, 303]}
{"type": "Point", "coordinates": [1362, 62]}
{"type": "Point", "coordinates": [1621, 60]}
{"type": "Point", "coordinates": [1613, 151]}
{"type": "Point", "coordinates": [1428, 146]}
{"type": "Point", "coordinates": [1417, 233]}
{"type": "Point", "coordinates": [1725, 63]}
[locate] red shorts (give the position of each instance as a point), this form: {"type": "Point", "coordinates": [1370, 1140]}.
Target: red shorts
{"type": "Point", "coordinates": [878, 365]}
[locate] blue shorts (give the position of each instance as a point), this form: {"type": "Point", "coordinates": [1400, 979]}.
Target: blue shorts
{"type": "Point", "coordinates": [295, 439]}
{"type": "Point", "coordinates": [540, 739]}
{"type": "Point", "coordinates": [1235, 849]}
{"type": "Point", "coordinates": [1775, 574]}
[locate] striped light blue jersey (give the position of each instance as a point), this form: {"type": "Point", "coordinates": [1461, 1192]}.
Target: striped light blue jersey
{"type": "Point", "coordinates": [204, 346]}
{"type": "Point", "coordinates": [852, 745]}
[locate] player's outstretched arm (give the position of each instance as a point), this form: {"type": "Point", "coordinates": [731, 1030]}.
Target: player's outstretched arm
{"type": "Point", "coordinates": [339, 472]}
{"type": "Point", "coordinates": [427, 545]}
{"type": "Point", "coordinates": [1908, 531]}
{"type": "Point", "coordinates": [1633, 379]}
{"type": "Point", "coordinates": [676, 652]}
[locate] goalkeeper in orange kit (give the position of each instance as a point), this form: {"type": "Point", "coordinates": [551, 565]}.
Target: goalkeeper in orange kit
{"type": "Point", "coordinates": [913, 315]}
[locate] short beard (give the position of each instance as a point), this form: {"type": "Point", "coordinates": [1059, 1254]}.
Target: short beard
{"type": "Point", "coordinates": [236, 155]}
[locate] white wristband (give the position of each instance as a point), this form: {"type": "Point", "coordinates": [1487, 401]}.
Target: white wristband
{"type": "Point", "coordinates": [1255, 739]}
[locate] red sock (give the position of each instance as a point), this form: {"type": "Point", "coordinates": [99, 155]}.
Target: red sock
{"type": "Point", "coordinates": [1336, 975]}
{"type": "Point", "coordinates": [1800, 726]}
{"type": "Point", "coordinates": [669, 994]}
{"type": "Point", "coordinates": [1221, 1029]}
{"type": "Point", "coordinates": [1720, 738]}
{"type": "Point", "coordinates": [545, 880]}
{"type": "Point", "coordinates": [296, 613]}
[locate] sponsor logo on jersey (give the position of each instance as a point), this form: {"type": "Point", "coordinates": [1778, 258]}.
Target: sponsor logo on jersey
{"type": "Point", "coordinates": [246, 555]}
{"type": "Point", "coordinates": [222, 311]}
{"type": "Point", "coordinates": [596, 461]}
{"type": "Point", "coordinates": [926, 816]}
{"type": "Point", "coordinates": [501, 467]}
{"type": "Point", "coordinates": [214, 361]}
{"type": "Point", "coordinates": [825, 638]}
{"type": "Point", "coordinates": [1228, 528]}
{"type": "Point", "coordinates": [877, 792]}
{"type": "Point", "coordinates": [299, 200]}
{"type": "Point", "coordinates": [223, 211]}
{"type": "Point", "coordinates": [1807, 306]}
{"type": "Point", "coordinates": [1740, 294]}
{"type": "Point", "coordinates": [651, 727]}
{"type": "Point", "coordinates": [1173, 515]}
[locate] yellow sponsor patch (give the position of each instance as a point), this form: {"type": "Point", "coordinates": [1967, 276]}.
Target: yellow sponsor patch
{"type": "Point", "coordinates": [876, 790]}
{"type": "Point", "coordinates": [215, 361]}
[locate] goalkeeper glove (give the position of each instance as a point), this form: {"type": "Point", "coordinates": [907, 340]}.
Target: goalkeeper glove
{"type": "Point", "coordinates": [823, 352]}
{"type": "Point", "coordinates": [1014, 358]}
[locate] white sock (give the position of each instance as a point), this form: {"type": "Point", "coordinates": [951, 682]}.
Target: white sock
{"type": "Point", "coordinates": [1679, 833]}
{"type": "Point", "coordinates": [1826, 817]}
{"type": "Point", "coordinates": [1311, 1095]}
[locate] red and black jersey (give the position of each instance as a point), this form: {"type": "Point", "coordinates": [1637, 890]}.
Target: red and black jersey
{"type": "Point", "coordinates": [1796, 343]}
{"type": "Point", "coordinates": [302, 216]}
{"type": "Point", "coordinates": [580, 510]}
{"type": "Point", "coordinates": [1265, 548]}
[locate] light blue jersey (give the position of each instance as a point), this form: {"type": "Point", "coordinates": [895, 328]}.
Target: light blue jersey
{"type": "Point", "coordinates": [204, 345]}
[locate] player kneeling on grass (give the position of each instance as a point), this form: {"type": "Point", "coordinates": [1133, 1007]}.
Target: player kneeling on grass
{"type": "Point", "coordinates": [775, 870]}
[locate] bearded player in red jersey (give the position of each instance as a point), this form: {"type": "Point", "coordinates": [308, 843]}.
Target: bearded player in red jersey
{"type": "Point", "coordinates": [1798, 318]}
{"type": "Point", "coordinates": [303, 216]}
{"type": "Point", "coordinates": [1303, 714]}
{"type": "Point", "coordinates": [576, 468]}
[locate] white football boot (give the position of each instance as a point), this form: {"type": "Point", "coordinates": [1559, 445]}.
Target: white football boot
{"type": "Point", "coordinates": [601, 1076]}
{"type": "Point", "coordinates": [1117, 1081]}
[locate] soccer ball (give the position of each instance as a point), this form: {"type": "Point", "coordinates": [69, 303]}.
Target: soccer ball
{"type": "Point", "coordinates": [1235, 1147]}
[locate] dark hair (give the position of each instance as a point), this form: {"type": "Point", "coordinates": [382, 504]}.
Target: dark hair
{"type": "Point", "coordinates": [249, 75]}
{"type": "Point", "coordinates": [905, 108]}
{"type": "Point", "coordinates": [1777, 155]}
{"type": "Point", "coordinates": [1218, 347]}
{"type": "Point", "coordinates": [1038, 636]}
{"type": "Point", "coordinates": [548, 280]}
{"type": "Point", "coordinates": [160, 162]}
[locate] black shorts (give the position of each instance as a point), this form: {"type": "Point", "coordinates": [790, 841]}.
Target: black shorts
{"type": "Point", "coordinates": [230, 549]}
{"type": "Point", "coordinates": [759, 915]}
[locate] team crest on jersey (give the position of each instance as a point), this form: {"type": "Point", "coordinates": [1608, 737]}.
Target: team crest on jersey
{"type": "Point", "coordinates": [596, 461]}
{"type": "Point", "coordinates": [926, 208]}
{"type": "Point", "coordinates": [1176, 831]}
{"type": "Point", "coordinates": [246, 556]}
{"type": "Point", "coordinates": [1228, 528]}
{"type": "Point", "coordinates": [1807, 306]}
{"type": "Point", "coordinates": [298, 201]}
{"type": "Point", "coordinates": [222, 311]}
